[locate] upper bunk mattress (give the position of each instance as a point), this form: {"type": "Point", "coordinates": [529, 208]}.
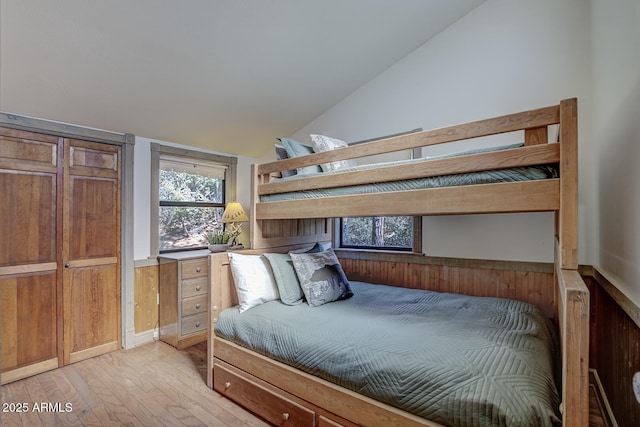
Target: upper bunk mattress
{"type": "Point", "coordinates": [453, 359]}
{"type": "Point", "coordinates": [528, 173]}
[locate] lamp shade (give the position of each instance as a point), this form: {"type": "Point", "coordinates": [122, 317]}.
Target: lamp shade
{"type": "Point", "coordinates": [234, 213]}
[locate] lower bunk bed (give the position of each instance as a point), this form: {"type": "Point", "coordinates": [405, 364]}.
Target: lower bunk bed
{"type": "Point", "coordinates": [390, 356]}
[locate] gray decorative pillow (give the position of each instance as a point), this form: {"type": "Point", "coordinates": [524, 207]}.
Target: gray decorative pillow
{"type": "Point", "coordinates": [297, 149]}
{"type": "Point", "coordinates": [281, 154]}
{"type": "Point", "coordinates": [326, 143]}
{"type": "Point", "coordinates": [321, 277]}
{"type": "Point", "coordinates": [286, 278]}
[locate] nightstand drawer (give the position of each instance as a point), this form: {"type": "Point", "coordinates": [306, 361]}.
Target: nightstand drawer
{"type": "Point", "coordinates": [193, 287]}
{"type": "Point", "coordinates": [194, 268]}
{"type": "Point", "coordinates": [195, 305]}
{"type": "Point", "coordinates": [193, 324]}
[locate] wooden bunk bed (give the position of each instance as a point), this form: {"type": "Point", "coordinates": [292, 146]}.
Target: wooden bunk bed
{"type": "Point", "coordinates": [286, 396]}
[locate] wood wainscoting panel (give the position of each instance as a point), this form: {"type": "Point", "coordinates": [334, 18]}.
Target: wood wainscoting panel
{"type": "Point", "coordinates": [293, 227]}
{"type": "Point", "coordinates": [614, 351]}
{"type": "Point", "coordinates": [535, 287]}
{"type": "Point", "coordinates": [145, 298]}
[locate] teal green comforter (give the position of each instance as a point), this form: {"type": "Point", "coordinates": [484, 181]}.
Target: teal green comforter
{"type": "Point", "coordinates": [453, 359]}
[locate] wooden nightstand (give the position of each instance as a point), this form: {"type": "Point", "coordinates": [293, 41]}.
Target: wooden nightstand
{"type": "Point", "coordinates": [184, 297]}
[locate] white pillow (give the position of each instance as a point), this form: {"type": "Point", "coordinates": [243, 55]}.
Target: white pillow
{"type": "Point", "coordinates": [326, 143]}
{"type": "Point", "coordinates": [253, 279]}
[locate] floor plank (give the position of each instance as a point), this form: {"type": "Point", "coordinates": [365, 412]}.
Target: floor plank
{"type": "Point", "coordinates": [151, 385]}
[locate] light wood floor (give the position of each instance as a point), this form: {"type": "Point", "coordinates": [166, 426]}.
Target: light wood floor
{"type": "Point", "coordinates": [152, 385]}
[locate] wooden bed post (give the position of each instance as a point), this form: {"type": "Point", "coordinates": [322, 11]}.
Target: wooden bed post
{"type": "Point", "coordinates": [568, 216]}
{"type": "Point", "coordinates": [221, 295]}
{"type": "Point", "coordinates": [573, 296]}
{"type": "Point", "coordinates": [573, 311]}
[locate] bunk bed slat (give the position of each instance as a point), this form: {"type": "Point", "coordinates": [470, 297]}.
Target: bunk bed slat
{"type": "Point", "coordinates": [527, 196]}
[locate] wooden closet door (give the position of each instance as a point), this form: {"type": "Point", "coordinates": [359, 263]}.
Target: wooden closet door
{"type": "Point", "coordinates": [29, 292]}
{"type": "Point", "coordinates": [91, 250]}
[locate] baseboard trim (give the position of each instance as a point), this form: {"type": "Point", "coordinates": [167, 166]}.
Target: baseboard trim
{"type": "Point", "coordinates": [144, 337]}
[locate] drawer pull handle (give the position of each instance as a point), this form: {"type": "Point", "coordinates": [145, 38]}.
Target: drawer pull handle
{"type": "Point", "coordinates": [227, 385]}
{"type": "Point", "coordinates": [198, 288]}
{"type": "Point", "coordinates": [285, 416]}
{"type": "Point", "coordinates": [197, 324]}
{"type": "Point", "coordinates": [198, 269]}
{"type": "Point", "coordinates": [197, 306]}
{"type": "Point", "coordinates": [215, 320]}
{"type": "Point", "coordinates": [215, 307]}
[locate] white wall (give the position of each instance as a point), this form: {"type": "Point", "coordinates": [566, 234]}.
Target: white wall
{"type": "Point", "coordinates": [501, 58]}
{"type": "Point", "coordinates": [142, 196]}
{"type": "Point", "coordinates": [616, 140]}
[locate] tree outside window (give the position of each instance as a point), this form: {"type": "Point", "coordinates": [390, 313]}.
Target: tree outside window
{"type": "Point", "coordinates": [378, 232]}
{"type": "Point", "coordinates": [192, 200]}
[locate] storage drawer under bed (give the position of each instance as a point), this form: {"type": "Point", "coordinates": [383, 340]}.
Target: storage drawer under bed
{"type": "Point", "coordinates": [276, 409]}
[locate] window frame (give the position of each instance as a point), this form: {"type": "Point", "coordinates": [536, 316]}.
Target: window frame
{"type": "Point", "coordinates": [417, 231]}
{"type": "Point", "coordinates": [157, 152]}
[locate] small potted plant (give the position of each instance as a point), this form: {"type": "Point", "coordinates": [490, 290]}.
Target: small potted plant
{"type": "Point", "coordinates": [218, 241]}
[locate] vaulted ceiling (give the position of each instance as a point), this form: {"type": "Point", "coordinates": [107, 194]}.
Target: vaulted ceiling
{"type": "Point", "coordinates": [226, 75]}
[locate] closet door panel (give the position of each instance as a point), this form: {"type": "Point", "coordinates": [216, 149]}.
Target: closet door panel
{"type": "Point", "coordinates": [91, 250]}
{"type": "Point", "coordinates": [28, 151]}
{"type": "Point", "coordinates": [92, 218]}
{"type": "Point", "coordinates": [92, 314]}
{"type": "Point", "coordinates": [28, 218]}
{"type": "Point", "coordinates": [29, 340]}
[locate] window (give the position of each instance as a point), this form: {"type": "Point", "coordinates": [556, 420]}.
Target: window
{"type": "Point", "coordinates": [191, 202]}
{"type": "Point", "coordinates": [191, 191]}
{"type": "Point", "coordinates": [379, 232]}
